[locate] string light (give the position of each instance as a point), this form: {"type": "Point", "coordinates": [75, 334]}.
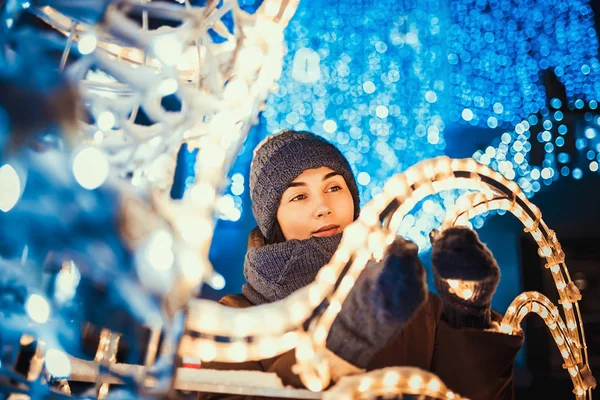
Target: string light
{"type": "Point", "coordinates": [391, 381]}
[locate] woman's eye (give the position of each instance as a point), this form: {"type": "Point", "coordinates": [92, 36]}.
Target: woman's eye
{"type": "Point", "coordinates": [335, 188]}
{"type": "Point", "coordinates": [298, 198]}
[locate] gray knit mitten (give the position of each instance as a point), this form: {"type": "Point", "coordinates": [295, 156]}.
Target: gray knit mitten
{"type": "Point", "coordinates": [383, 299]}
{"type": "Point", "coordinates": [466, 276]}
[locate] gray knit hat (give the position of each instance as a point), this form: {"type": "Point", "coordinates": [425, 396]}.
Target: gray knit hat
{"type": "Point", "coordinates": [279, 159]}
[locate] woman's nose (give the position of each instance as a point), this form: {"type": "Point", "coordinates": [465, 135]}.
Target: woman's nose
{"type": "Point", "coordinates": [323, 210]}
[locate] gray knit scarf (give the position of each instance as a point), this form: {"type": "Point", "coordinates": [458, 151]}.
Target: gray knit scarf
{"type": "Point", "coordinates": [275, 271]}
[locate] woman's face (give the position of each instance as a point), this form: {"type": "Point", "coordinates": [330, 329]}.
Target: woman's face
{"type": "Point", "coordinates": [317, 203]}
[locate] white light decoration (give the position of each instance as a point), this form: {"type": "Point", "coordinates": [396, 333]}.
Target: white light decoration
{"type": "Point", "coordinates": [10, 186]}
{"type": "Point", "coordinates": [387, 382]}
{"type": "Point", "coordinates": [160, 250]}
{"type": "Point", "coordinates": [67, 281]}
{"type": "Point", "coordinates": [87, 44]}
{"type": "Point", "coordinates": [217, 281]}
{"type": "Point", "coordinates": [106, 120]}
{"type": "Point", "coordinates": [58, 363]}
{"type": "Point", "coordinates": [220, 94]}
{"type": "Point", "coordinates": [37, 308]}
{"type": "Point", "coordinates": [90, 167]}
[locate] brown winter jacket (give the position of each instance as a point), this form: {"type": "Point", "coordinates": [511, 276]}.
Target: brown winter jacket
{"type": "Point", "coordinates": [474, 363]}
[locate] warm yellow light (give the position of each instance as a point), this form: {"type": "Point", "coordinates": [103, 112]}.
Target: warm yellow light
{"type": "Point", "coordinates": [434, 385]}
{"type": "Point", "coordinates": [391, 378]}
{"type": "Point", "coordinates": [365, 384]}
{"type": "Point", "coordinates": [415, 382]}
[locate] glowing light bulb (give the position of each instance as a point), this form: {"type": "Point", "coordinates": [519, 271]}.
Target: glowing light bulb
{"type": "Point", "coordinates": [238, 352]}
{"type": "Point", "coordinates": [58, 363]}
{"type": "Point", "coordinates": [37, 308]}
{"type": "Point", "coordinates": [90, 167]}
{"type": "Point", "coordinates": [160, 254]}
{"type": "Point", "coordinates": [217, 281]}
{"type": "Point", "coordinates": [208, 351]}
{"type": "Point", "coordinates": [365, 384]}
{"type": "Point", "coordinates": [391, 378]}
{"type": "Point", "coordinates": [87, 43]}
{"type": "Point", "coordinates": [415, 382]}
{"type": "Point", "coordinates": [467, 294]}
{"type": "Point", "coordinates": [106, 120]}
{"type": "Point", "coordinates": [434, 385]}
{"type": "Point", "coordinates": [67, 281]}
{"type": "Point", "coordinates": [10, 187]}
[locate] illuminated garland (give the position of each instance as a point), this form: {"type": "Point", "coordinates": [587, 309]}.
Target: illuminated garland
{"type": "Point", "coordinates": [391, 381]}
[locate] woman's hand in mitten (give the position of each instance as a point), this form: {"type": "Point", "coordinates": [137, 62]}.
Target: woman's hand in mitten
{"type": "Point", "coordinates": [466, 276]}
{"type": "Point", "coordinates": [384, 297]}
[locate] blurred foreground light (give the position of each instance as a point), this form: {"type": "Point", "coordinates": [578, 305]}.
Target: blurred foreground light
{"type": "Point", "coordinates": [168, 48]}
{"type": "Point", "coordinates": [90, 167]}
{"type": "Point", "coordinates": [67, 281]}
{"type": "Point", "coordinates": [58, 363]}
{"type": "Point", "coordinates": [160, 254]}
{"type": "Point", "coordinates": [87, 44]}
{"type": "Point", "coordinates": [10, 187]}
{"type": "Point", "coordinates": [37, 308]}
{"type": "Point", "coordinates": [106, 120]}
{"type": "Point", "coordinates": [217, 281]}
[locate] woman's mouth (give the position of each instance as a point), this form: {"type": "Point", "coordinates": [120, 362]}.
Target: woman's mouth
{"type": "Point", "coordinates": [328, 230]}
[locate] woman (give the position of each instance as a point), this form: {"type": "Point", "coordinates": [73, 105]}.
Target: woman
{"type": "Point", "coordinates": [303, 196]}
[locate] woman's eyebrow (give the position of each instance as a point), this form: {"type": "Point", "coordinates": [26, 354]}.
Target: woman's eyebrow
{"type": "Point", "coordinates": [327, 176]}
{"type": "Point", "coordinates": [330, 175]}
{"type": "Point", "coordinates": [295, 184]}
